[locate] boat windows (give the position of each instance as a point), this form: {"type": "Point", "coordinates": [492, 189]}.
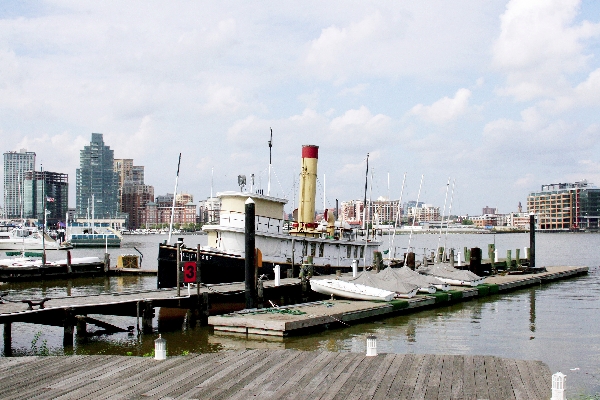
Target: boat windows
{"type": "Point", "coordinates": [356, 252]}
{"type": "Point", "coordinates": [348, 251]}
{"type": "Point", "coordinates": [362, 251]}
{"type": "Point", "coordinates": [321, 249]}
{"type": "Point", "coordinates": [313, 249]}
{"type": "Point", "coordinates": [304, 247]}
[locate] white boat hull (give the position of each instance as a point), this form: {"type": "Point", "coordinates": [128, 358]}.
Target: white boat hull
{"type": "Point", "coordinates": [350, 290]}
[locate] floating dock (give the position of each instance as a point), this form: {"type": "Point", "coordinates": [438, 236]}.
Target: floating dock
{"type": "Point", "coordinates": [275, 374]}
{"type": "Point", "coordinates": [283, 321]}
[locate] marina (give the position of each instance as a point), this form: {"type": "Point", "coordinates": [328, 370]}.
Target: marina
{"type": "Point", "coordinates": [478, 326]}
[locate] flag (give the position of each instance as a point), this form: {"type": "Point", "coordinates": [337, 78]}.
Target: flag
{"type": "Point", "coordinates": [50, 199]}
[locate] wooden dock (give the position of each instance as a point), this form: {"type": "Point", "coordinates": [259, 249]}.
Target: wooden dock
{"type": "Point", "coordinates": [284, 321]}
{"type": "Point", "coordinates": [275, 374]}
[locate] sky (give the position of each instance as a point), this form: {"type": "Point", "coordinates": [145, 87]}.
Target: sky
{"type": "Point", "coordinates": [495, 97]}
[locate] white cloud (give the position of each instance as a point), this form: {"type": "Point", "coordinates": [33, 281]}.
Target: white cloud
{"type": "Point", "coordinates": [222, 100]}
{"type": "Point", "coordinates": [445, 109]}
{"type": "Point", "coordinates": [360, 120]}
{"type": "Point", "coordinates": [540, 45]}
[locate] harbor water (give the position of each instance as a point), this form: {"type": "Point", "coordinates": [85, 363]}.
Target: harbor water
{"type": "Point", "coordinates": [557, 323]}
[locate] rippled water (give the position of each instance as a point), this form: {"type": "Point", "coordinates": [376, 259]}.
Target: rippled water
{"type": "Point", "coordinates": [556, 323]}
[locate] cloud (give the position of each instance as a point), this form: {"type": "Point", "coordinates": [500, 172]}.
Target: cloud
{"type": "Point", "coordinates": [445, 109]}
{"type": "Point", "coordinates": [540, 45]}
{"type": "Point", "coordinates": [221, 100]}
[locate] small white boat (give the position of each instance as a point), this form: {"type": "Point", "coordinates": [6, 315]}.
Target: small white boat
{"type": "Point", "coordinates": [350, 290]}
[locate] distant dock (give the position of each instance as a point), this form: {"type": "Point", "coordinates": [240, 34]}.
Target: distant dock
{"type": "Point", "coordinates": [275, 374]}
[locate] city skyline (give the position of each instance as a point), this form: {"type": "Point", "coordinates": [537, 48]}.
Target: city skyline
{"type": "Point", "coordinates": [501, 96]}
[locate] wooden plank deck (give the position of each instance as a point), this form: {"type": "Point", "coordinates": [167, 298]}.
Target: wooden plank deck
{"type": "Point", "coordinates": [268, 374]}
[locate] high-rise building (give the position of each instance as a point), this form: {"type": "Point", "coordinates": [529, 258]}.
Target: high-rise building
{"type": "Point", "coordinates": [55, 187]}
{"type": "Point", "coordinates": [96, 180]}
{"type": "Point", "coordinates": [16, 164]}
{"type": "Point", "coordinates": [133, 194]}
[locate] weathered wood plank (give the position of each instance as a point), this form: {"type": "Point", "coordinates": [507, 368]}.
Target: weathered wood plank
{"type": "Point", "coordinates": [378, 377]}
{"type": "Point", "coordinates": [347, 380]}
{"type": "Point", "coordinates": [481, 388]}
{"type": "Point", "coordinates": [401, 386]}
{"type": "Point", "coordinates": [422, 380]}
{"type": "Point", "coordinates": [319, 384]}
{"type": "Point", "coordinates": [445, 388]}
{"type": "Point", "coordinates": [434, 378]}
{"type": "Point", "coordinates": [516, 383]}
{"type": "Point", "coordinates": [388, 379]}
{"type": "Point", "coordinates": [469, 388]}
{"type": "Point", "coordinates": [303, 380]}
{"type": "Point", "coordinates": [457, 378]}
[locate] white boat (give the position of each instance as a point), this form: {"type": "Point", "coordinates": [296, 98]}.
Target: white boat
{"type": "Point", "coordinates": [350, 290]}
{"type": "Point", "coordinates": [26, 239]}
{"type": "Point", "coordinates": [452, 276]}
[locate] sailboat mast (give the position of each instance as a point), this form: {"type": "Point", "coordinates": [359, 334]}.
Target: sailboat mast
{"type": "Point", "coordinates": [414, 219]}
{"type": "Point", "coordinates": [270, 162]}
{"type": "Point", "coordinates": [173, 206]}
{"type": "Point", "coordinates": [44, 227]}
{"type": "Point", "coordinates": [365, 200]}
{"type": "Point", "coordinates": [442, 223]}
{"type": "Point", "coordinates": [449, 213]}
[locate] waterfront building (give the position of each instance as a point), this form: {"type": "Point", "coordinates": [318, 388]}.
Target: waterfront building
{"type": "Point", "coordinates": [489, 210]}
{"type": "Point", "coordinates": [424, 213]}
{"type": "Point", "coordinates": [16, 165]}
{"type": "Point", "coordinates": [132, 194]}
{"type": "Point", "coordinates": [351, 212]}
{"type": "Point", "coordinates": [566, 206]}
{"type": "Point", "coordinates": [159, 212]}
{"type": "Point", "coordinates": [96, 180]}
{"type": "Point", "coordinates": [209, 210]}
{"type": "Point", "coordinates": [49, 187]}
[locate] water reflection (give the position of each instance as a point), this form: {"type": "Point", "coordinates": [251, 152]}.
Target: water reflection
{"type": "Point", "coordinates": [532, 313]}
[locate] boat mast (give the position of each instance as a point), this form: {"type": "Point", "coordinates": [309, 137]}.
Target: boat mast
{"type": "Point", "coordinates": [270, 147]}
{"type": "Point", "coordinates": [442, 223]}
{"type": "Point", "coordinates": [414, 219]}
{"type": "Point", "coordinates": [449, 213]}
{"type": "Point", "coordinates": [398, 212]}
{"type": "Point", "coordinates": [174, 196]}
{"type": "Point", "coordinates": [365, 199]}
{"type": "Point", "coordinates": [43, 227]}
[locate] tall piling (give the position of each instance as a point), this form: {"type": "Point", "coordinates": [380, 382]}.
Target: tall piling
{"type": "Point", "coordinates": [250, 289]}
{"type": "Point", "coordinates": [531, 240]}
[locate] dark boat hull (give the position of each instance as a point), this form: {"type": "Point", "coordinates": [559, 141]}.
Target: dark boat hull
{"type": "Point", "coordinates": [216, 267]}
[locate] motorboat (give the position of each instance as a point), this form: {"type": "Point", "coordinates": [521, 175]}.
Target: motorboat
{"type": "Point", "coordinates": [350, 290]}
{"type": "Point", "coordinates": [23, 238]}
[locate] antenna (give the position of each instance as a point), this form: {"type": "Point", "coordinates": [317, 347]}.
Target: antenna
{"type": "Point", "coordinates": [270, 147]}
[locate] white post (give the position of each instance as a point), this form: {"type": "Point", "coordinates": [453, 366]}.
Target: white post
{"type": "Point", "coordinates": [160, 348]}
{"type": "Point", "coordinates": [558, 386]}
{"type": "Point", "coordinates": [354, 268]}
{"type": "Point", "coordinates": [371, 346]}
{"type": "Point", "coordinates": [459, 259]}
{"type": "Point", "coordinates": [277, 270]}
{"type": "Point", "coordinates": [496, 255]}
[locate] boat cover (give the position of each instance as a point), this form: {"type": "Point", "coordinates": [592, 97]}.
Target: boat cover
{"type": "Point", "coordinates": [392, 283]}
{"type": "Point", "coordinates": [448, 272]}
{"type": "Point", "coordinates": [408, 275]}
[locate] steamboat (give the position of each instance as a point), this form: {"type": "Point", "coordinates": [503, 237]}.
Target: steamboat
{"type": "Point", "coordinates": [324, 246]}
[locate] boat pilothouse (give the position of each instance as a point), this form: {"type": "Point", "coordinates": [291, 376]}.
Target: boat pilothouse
{"type": "Point", "coordinates": [328, 243]}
